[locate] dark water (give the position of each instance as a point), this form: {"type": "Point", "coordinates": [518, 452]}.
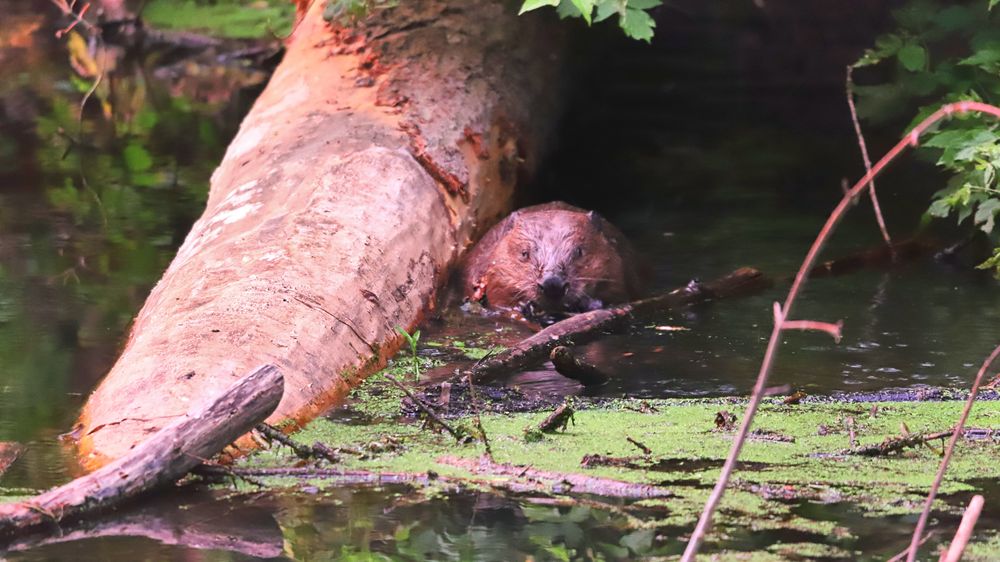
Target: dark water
{"type": "Point", "coordinates": [93, 209]}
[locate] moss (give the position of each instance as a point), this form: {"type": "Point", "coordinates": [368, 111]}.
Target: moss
{"type": "Point", "coordinates": [776, 477]}
{"type": "Point", "coordinates": [234, 19]}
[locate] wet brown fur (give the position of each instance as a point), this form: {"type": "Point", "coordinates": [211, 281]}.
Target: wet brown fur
{"type": "Point", "coordinates": [514, 257]}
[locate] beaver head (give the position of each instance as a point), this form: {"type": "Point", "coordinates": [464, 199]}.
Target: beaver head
{"type": "Point", "coordinates": [550, 259]}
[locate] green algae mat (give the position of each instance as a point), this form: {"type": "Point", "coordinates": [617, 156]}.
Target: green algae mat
{"type": "Point", "coordinates": [800, 491]}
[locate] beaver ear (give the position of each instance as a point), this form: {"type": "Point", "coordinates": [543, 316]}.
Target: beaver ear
{"type": "Point", "coordinates": [596, 220]}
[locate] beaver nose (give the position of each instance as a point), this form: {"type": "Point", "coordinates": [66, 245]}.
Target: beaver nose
{"type": "Point", "coordinates": [553, 287]}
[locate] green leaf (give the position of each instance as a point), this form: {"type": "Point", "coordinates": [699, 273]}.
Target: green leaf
{"type": "Point", "coordinates": [586, 8]}
{"type": "Point", "coordinates": [637, 24]}
{"type": "Point", "coordinates": [608, 8]}
{"type": "Point", "coordinates": [567, 9]}
{"type": "Point", "coordinates": [986, 214]}
{"type": "Point", "coordinates": [137, 159]}
{"type": "Point", "coordinates": [984, 56]}
{"type": "Point", "coordinates": [913, 57]}
{"type": "Point", "coordinates": [643, 4]}
{"type": "Point", "coordinates": [530, 5]}
{"type": "Point", "coordinates": [885, 46]}
{"type": "Point", "coordinates": [992, 4]}
{"type": "Point", "coordinates": [939, 208]}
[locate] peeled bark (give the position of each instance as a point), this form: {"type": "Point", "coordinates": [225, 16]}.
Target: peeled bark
{"type": "Point", "coordinates": [367, 165]}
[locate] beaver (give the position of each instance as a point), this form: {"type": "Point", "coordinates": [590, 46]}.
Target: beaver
{"type": "Point", "coordinates": [552, 258]}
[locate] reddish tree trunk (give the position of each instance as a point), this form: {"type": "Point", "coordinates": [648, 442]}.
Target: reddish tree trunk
{"type": "Point", "coordinates": [367, 166]}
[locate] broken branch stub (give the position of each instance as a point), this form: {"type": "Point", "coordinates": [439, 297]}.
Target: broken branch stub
{"type": "Point", "coordinates": [160, 460]}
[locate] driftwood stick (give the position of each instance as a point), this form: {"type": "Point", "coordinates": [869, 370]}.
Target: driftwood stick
{"type": "Point", "coordinates": [163, 458]}
{"type": "Point", "coordinates": [305, 452]}
{"type": "Point", "coordinates": [907, 250]}
{"type": "Point", "coordinates": [559, 482]}
{"type": "Point", "coordinates": [964, 533]}
{"type": "Point", "coordinates": [558, 419]}
{"type": "Point", "coordinates": [536, 348]}
{"type": "Point", "coordinates": [426, 408]}
{"type": "Point", "coordinates": [896, 444]}
{"type": "Point", "coordinates": [569, 365]}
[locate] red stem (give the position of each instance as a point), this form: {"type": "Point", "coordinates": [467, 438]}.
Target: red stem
{"type": "Point", "coordinates": [925, 514]}
{"type": "Point", "coordinates": [911, 138]}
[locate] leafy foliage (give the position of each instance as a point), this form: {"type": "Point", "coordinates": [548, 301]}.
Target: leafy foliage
{"type": "Point", "coordinates": [942, 53]}
{"type": "Point", "coordinates": [237, 19]}
{"type": "Point", "coordinates": [633, 15]}
{"type": "Point", "coordinates": [349, 11]}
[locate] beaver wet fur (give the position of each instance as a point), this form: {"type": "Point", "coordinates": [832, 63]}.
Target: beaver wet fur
{"type": "Point", "coordinates": [549, 259]}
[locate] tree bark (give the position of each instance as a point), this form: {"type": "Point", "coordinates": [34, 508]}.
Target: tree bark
{"type": "Point", "coordinates": [369, 163]}
{"type": "Point", "coordinates": [161, 459]}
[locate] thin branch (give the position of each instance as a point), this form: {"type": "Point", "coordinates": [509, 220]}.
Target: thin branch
{"type": "Point", "coordinates": [910, 140]}
{"type": "Point", "coordinates": [902, 554]}
{"type": "Point", "coordinates": [806, 325]}
{"type": "Point", "coordinates": [864, 156]}
{"type": "Point", "coordinates": [67, 10]}
{"type": "Point", "coordinates": [922, 522]}
{"type": "Point", "coordinates": [426, 408]}
{"type": "Point", "coordinates": [964, 533]}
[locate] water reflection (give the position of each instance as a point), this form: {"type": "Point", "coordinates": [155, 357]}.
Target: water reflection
{"type": "Point", "coordinates": [92, 207]}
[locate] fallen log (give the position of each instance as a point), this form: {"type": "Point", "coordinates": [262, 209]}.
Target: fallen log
{"type": "Point", "coordinates": [369, 163]}
{"type": "Point", "coordinates": [161, 459]}
{"type": "Point", "coordinates": [577, 329]}
{"type": "Point", "coordinates": [907, 250]}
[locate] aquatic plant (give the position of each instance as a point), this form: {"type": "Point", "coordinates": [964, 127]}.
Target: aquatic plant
{"type": "Point", "coordinates": [782, 312]}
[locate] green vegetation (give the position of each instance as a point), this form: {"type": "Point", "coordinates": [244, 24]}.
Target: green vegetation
{"type": "Point", "coordinates": [232, 19]}
{"type": "Point", "coordinates": [412, 339]}
{"type": "Point", "coordinates": [795, 458]}
{"type": "Point", "coordinates": [633, 15]}
{"type": "Point", "coordinates": [943, 52]}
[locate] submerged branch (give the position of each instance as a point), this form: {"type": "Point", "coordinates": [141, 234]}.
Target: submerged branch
{"type": "Point", "coordinates": [537, 348]}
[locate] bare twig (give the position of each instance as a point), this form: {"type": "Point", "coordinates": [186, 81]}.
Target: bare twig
{"type": "Point", "coordinates": [910, 140]}
{"type": "Point", "coordinates": [642, 447]}
{"type": "Point", "coordinates": [964, 533]}
{"type": "Point", "coordinates": [893, 444]}
{"type": "Point", "coordinates": [808, 325]}
{"type": "Point", "coordinates": [473, 398]}
{"type": "Point", "coordinates": [922, 522]}
{"type": "Point", "coordinates": [425, 408]}
{"type": "Point", "coordinates": [902, 554]}
{"type": "Point", "coordinates": [67, 10]}
{"type": "Point", "coordinates": [305, 452]}
{"type": "Point", "coordinates": [864, 156]}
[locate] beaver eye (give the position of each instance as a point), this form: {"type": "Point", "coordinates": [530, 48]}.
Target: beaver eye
{"type": "Point", "coordinates": [525, 254]}
{"type": "Point", "coordinates": [578, 253]}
